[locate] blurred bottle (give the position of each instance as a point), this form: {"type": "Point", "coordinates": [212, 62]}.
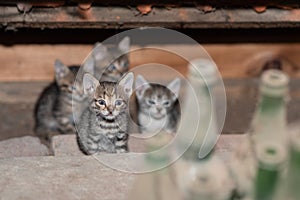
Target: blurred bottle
{"type": "Point", "coordinates": [271, 160]}
{"type": "Point", "coordinates": [160, 184]}
{"type": "Point", "coordinates": [289, 187]}
{"type": "Point", "coordinates": [258, 162]}
{"type": "Point", "coordinates": [269, 133]}
{"type": "Point", "coordinates": [201, 174]}
{"type": "Point", "coordinates": [269, 122]}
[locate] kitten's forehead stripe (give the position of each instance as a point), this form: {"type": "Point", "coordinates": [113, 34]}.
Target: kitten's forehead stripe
{"type": "Point", "coordinates": [158, 92]}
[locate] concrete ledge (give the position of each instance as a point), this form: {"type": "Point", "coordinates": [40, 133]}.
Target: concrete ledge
{"type": "Point", "coordinates": [69, 176]}
{"type": "Point", "coordinates": [80, 177]}
{"type": "Point", "coordinates": [22, 146]}
{"type": "Point", "coordinates": [66, 145]}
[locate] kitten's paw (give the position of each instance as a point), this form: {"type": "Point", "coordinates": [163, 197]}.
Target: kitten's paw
{"type": "Point", "coordinates": [121, 150]}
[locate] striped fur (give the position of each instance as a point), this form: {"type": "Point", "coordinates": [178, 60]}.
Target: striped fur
{"type": "Point", "coordinates": [53, 111]}
{"type": "Point", "coordinates": [111, 62]}
{"type": "Point", "coordinates": [104, 125]}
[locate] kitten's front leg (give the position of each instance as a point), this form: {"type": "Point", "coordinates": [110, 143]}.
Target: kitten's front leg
{"type": "Point", "coordinates": [121, 142]}
{"type": "Point", "coordinates": [66, 126]}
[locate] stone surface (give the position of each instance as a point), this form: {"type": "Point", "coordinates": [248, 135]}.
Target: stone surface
{"type": "Point", "coordinates": [73, 177]}
{"type": "Point", "coordinates": [22, 146]}
{"type": "Point", "coordinates": [227, 144]}
{"type": "Point", "coordinates": [78, 177]}
{"type": "Point", "coordinates": [66, 145]}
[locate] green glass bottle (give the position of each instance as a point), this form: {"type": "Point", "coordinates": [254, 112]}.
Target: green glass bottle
{"type": "Point", "coordinates": [269, 134]}
{"type": "Point", "coordinates": [258, 161]}
{"type": "Point", "coordinates": [201, 174]}
{"type": "Point", "coordinates": [271, 160]}
{"type": "Point", "coordinates": [269, 122]}
{"type": "Point", "coordinates": [289, 187]}
{"type": "Point", "coordinates": [294, 166]}
{"type": "Point", "coordinates": [159, 184]}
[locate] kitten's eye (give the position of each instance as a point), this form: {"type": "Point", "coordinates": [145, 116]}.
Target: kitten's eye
{"type": "Point", "coordinates": [126, 64]}
{"type": "Point", "coordinates": [151, 102]}
{"type": "Point", "coordinates": [118, 102]}
{"type": "Point", "coordinates": [73, 87]}
{"type": "Point", "coordinates": [166, 103]}
{"type": "Point", "coordinates": [112, 68]}
{"type": "Point", "coordinates": [101, 102]}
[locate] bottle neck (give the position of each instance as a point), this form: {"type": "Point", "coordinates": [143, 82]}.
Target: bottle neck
{"type": "Point", "coordinates": [295, 160]}
{"type": "Point", "coordinates": [206, 131]}
{"type": "Point", "coordinates": [270, 105]}
{"type": "Point", "coordinates": [270, 116]}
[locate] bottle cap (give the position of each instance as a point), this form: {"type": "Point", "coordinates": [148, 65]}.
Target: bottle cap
{"type": "Point", "coordinates": [271, 156]}
{"type": "Point", "coordinates": [274, 82]}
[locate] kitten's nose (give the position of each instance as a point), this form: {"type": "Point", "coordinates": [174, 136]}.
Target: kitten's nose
{"type": "Point", "coordinates": [110, 109]}
{"type": "Point", "coordinates": [159, 109]}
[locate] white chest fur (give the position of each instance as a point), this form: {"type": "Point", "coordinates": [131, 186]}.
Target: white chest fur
{"type": "Point", "coordinates": [151, 125]}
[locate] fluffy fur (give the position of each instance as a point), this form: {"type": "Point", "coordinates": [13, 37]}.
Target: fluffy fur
{"type": "Point", "coordinates": [111, 63]}
{"type": "Point", "coordinates": [53, 111]}
{"type": "Point", "coordinates": [158, 106]}
{"type": "Point", "coordinates": [104, 125]}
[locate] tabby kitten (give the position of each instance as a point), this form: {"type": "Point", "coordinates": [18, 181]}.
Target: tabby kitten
{"type": "Point", "coordinates": [53, 111]}
{"type": "Point", "coordinates": [158, 106]}
{"type": "Point", "coordinates": [111, 63]}
{"type": "Point", "coordinates": [104, 125]}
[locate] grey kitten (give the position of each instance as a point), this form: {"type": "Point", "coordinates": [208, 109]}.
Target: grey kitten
{"type": "Point", "coordinates": [158, 106]}
{"type": "Point", "coordinates": [111, 63]}
{"type": "Point", "coordinates": [53, 111]}
{"type": "Point", "coordinates": [104, 125]}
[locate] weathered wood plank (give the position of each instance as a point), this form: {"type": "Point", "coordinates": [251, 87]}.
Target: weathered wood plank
{"type": "Point", "coordinates": [125, 17]}
{"type": "Point", "coordinates": [291, 3]}
{"type": "Point", "coordinates": [35, 62]}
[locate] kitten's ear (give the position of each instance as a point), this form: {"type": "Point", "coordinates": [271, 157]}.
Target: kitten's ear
{"type": "Point", "coordinates": [174, 86]}
{"type": "Point", "coordinates": [90, 84]}
{"type": "Point", "coordinates": [141, 85]}
{"type": "Point", "coordinates": [100, 51]}
{"type": "Point", "coordinates": [60, 70]}
{"type": "Point", "coordinates": [126, 83]}
{"type": "Point", "coordinates": [88, 65]}
{"type": "Point", "coordinates": [124, 45]}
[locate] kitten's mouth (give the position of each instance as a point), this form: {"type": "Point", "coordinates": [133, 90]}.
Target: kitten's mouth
{"type": "Point", "coordinates": [110, 116]}
{"type": "Point", "coordinates": [107, 116]}
{"type": "Point", "coordinates": [157, 116]}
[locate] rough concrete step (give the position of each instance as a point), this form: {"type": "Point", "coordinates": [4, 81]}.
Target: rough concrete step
{"type": "Point", "coordinates": [22, 146]}
{"type": "Point", "coordinates": [66, 145]}
{"type": "Point", "coordinates": [72, 177]}
{"type": "Point", "coordinates": [61, 178]}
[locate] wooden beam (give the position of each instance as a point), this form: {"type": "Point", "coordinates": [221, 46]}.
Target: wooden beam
{"type": "Point", "coordinates": [218, 3]}
{"type": "Point", "coordinates": [126, 17]}
{"type": "Point", "coordinates": [35, 62]}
